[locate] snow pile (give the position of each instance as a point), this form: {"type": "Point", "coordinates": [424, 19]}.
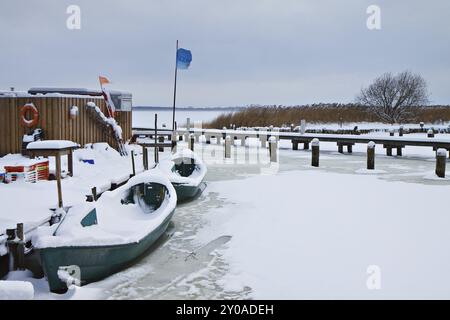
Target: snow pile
{"type": "Point", "coordinates": [16, 290]}
{"type": "Point", "coordinates": [288, 247]}
{"type": "Point", "coordinates": [110, 121]}
{"type": "Point", "coordinates": [117, 223]}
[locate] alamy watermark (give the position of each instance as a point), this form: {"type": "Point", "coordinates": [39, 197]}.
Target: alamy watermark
{"type": "Point", "coordinates": [373, 281]}
{"type": "Point", "coordinates": [73, 21]}
{"type": "Point", "coordinates": [374, 20]}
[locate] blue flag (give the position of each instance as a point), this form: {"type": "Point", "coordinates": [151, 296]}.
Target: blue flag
{"type": "Point", "coordinates": [184, 58]}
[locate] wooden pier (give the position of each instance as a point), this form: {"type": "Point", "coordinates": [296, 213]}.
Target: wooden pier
{"type": "Point", "coordinates": [343, 141]}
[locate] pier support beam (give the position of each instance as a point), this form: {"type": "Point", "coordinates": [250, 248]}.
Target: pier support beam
{"type": "Point", "coordinates": [315, 152]}
{"type": "Point", "coordinates": [294, 145]}
{"type": "Point", "coordinates": [371, 155]}
{"type": "Point", "coordinates": [191, 142]}
{"type": "Point", "coordinates": [441, 158]}
{"type": "Point", "coordinates": [306, 146]}
{"type": "Point", "coordinates": [273, 149]}
{"type": "Point", "coordinates": [228, 147]}
{"type": "Point", "coordinates": [263, 139]}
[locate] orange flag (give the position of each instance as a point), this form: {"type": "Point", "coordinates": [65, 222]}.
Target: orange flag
{"type": "Point", "coordinates": [103, 80]}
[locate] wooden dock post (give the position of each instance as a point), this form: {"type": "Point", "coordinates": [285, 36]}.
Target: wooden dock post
{"type": "Point", "coordinates": [20, 247]}
{"type": "Point", "coordinates": [227, 147]}
{"type": "Point", "coordinates": [315, 152]}
{"type": "Point", "coordinates": [294, 145]}
{"type": "Point", "coordinates": [371, 155]}
{"type": "Point", "coordinates": [133, 167]}
{"type": "Point", "coordinates": [174, 143]}
{"type": "Point", "coordinates": [94, 193]}
{"type": "Point", "coordinates": [208, 138]}
{"type": "Point", "coordinates": [400, 131]}
{"type": "Point", "coordinates": [191, 142]}
{"type": "Point", "coordinates": [441, 155]}
{"type": "Point", "coordinates": [263, 139]}
{"type": "Point", "coordinates": [58, 180]}
{"type": "Point", "coordinates": [243, 140]}
{"type": "Point", "coordinates": [273, 148]}
{"type": "Point", "coordinates": [430, 133]}
{"type": "Point", "coordinates": [161, 141]}
{"type": "Point", "coordinates": [391, 132]}
{"type": "Point", "coordinates": [144, 157]}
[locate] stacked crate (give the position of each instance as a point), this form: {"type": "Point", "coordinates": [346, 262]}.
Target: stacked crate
{"type": "Point", "coordinates": [32, 172]}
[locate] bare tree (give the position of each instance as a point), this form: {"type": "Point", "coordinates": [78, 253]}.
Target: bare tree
{"type": "Point", "coordinates": [395, 99]}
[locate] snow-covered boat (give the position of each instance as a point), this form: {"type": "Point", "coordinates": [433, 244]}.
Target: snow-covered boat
{"type": "Point", "coordinates": [186, 172]}
{"type": "Point", "coordinates": [93, 241]}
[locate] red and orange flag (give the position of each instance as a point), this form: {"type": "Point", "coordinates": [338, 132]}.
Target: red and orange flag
{"type": "Point", "coordinates": [103, 80]}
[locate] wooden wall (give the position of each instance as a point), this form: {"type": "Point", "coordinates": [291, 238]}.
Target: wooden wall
{"type": "Point", "coordinates": [55, 121]}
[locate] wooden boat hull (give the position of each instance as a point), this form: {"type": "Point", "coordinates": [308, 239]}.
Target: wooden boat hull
{"type": "Point", "coordinates": [96, 262]}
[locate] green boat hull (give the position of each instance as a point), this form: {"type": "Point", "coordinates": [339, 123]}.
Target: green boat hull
{"type": "Point", "coordinates": [185, 193]}
{"type": "Point", "coordinates": [96, 262]}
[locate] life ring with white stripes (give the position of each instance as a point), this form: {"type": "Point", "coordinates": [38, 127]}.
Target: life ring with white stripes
{"type": "Point", "coordinates": [29, 107]}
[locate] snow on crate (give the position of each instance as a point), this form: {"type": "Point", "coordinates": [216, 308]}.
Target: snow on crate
{"type": "Point", "coordinates": [30, 170]}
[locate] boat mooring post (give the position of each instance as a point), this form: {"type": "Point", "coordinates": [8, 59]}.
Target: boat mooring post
{"type": "Point", "coordinates": [132, 163]}
{"type": "Point", "coordinates": [263, 139]}
{"type": "Point", "coordinates": [227, 147]}
{"type": "Point", "coordinates": [315, 152]}
{"type": "Point", "coordinates": [441, 155]}
{"type": "Point", "coordinates": [191, 142]}
{"type": "Point", "coordinates": [430, 133]}
{"type": "Point", "coordinates": [208, 138]}
{"type": "Point", "coordinates": [144, 157]}
{"type": "Point", "coordinates": [20, 247]}
{"type": "Point", "coordinates": [174, 142]}
{"type": "Point", "coordinates": [371, 155]}
{"type": "Point", "coordinates": [273, 148]}
{"type": "Point", "coordinates": [156, 137]}
{"type": "Point", "coordinates": [243, 140]}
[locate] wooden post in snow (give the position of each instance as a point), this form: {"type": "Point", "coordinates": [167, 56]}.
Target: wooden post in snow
{"type": "Point", "coordinates": [441, 155]}
{"type": "Point", "coordinates": [132, 163]}
{"type": "Point", "coordinates": [227, 147]}
{"type": "Point", "coordinates": [371, 155]}
{"type": "Point", "coordinates": [273, 149]}
{"type": "Point", "coordinates": [58, 180]}
{"type": "Point", "coordinates": [20, 247]}
{"type": "Point", "coordinates": [315, 152]}
{"type": "Point", "coordinates": [191, 142]}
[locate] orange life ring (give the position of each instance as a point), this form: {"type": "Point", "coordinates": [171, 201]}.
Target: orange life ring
{"type": "Point", "coordinates": [35, 113]}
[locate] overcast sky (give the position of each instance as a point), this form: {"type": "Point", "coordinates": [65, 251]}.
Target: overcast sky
{"type": "Point", "coordinates": [244, 51]}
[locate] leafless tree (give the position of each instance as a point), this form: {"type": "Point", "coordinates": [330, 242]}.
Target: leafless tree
{"type": "Point", "coordinates": [395, 99]}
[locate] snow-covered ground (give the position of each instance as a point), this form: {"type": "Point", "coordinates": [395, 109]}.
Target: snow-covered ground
{"type": "Point", "coordinates": [284, 230]}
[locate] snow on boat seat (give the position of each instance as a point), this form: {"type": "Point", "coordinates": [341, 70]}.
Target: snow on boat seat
{"type": "Point", "coordinates": [149, 196]}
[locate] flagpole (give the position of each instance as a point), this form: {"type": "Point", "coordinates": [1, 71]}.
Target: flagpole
{"type": "Point", "coordinates": [175, 89]}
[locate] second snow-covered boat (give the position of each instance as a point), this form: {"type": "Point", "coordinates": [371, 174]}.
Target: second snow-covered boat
{"type": "Point", "coordinates": [186, 172]}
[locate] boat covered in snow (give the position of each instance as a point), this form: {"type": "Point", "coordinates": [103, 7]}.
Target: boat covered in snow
{"type": "Point", "coordinates": [186, 172]}
{"type": "Point", "coordinates": [95, 240]}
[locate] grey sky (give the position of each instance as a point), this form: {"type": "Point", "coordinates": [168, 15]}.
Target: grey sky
{"type": "Point", "coordinates": [244, 51]}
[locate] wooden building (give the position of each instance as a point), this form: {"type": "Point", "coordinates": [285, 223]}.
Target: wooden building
{"type": "Point", "coordinates": [59, 120]}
